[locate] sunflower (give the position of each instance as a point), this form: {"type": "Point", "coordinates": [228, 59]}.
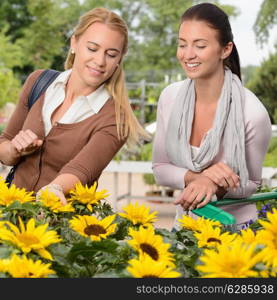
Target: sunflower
{"type": "Point", "coordinates": [145, 241]}
{"type": "Point", "coordinates": [87, 195]}
{"type": "Point", "coordinates": [268, 273]}
{"type": "Point", "coordinates": [197, 224]}
{"type": "Point", "coordinates": [269, 250]}
{"type": "Point", "coordinates": [236, 260]}
{"type": "Point", "coordinates": [31, 237]}
{"type": "Point", "coordinates": [53, 202]}
{"type": "Point", "coordinates": [212, 237]}
{"type": "Point", "coordinates": [248, 236]}
{"type": "Point", "coordinates": [90, 226]}
{"type": "Point", "coordinates": [268, 238]}
{"type": "Point", "coordinates": [22, 267]}
{"type": "Point", "coordinates": [146, 267]}
{"type": "Point", "coordinates": [271, 223]}
{"type": "Point", "coordinates": [4, 265]}
{"type": "Point", "coordinates": [12, 194]}
{"type": "Point", "coordinates": [138, 214]}
{"type": "Point", "coordinates": [3, 183]}
{"type": "Point", "coordinates": [2, 223]}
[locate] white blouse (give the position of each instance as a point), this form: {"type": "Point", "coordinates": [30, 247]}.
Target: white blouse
{"type": "Point", "coordinates": [82, 108]}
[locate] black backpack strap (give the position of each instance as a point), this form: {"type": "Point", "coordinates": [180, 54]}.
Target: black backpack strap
{"type": "Point", "coordinates": [41, 84]}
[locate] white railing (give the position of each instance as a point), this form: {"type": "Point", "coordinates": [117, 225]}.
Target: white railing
{"type": "Point", "coordinates": [145, 167]}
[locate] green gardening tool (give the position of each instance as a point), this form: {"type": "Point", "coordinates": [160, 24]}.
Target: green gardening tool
{"type": "Point", "coordinates": [213, 212]}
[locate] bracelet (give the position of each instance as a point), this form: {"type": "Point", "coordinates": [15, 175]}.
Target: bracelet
{"type": "Point", "coordinates": [51, 185]}
{"type": "Point", "coordinates": [55, 186]}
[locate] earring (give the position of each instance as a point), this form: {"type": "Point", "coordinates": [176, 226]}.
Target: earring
{"type": "Point", "coordinates": [72, 51]}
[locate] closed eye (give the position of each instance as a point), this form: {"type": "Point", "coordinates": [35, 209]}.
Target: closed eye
{"type": "Point", "coordinates": [111, 55]}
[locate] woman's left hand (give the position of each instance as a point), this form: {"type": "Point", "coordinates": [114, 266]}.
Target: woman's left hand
{"type": "Point", "coordinates": [197, 193]}
{"type": "Point", "coordinates": [222, 175]}
{"type": "Point", "coordinates": [55, 189]}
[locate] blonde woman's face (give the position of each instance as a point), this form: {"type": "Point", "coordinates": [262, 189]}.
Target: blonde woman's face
{"type": "Point", "coordinates": [98, 52]}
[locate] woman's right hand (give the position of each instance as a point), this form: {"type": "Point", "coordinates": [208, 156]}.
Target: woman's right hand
{"type": "Point", "coordinates": [26, 142]}
{"type": "Point", "coordinates": [197, 193]}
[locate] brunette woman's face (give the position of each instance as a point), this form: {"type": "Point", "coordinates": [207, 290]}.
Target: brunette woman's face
{"type": "Point", "coordinates": [199, 52]}
{"type": "Point", "coordinates": [98, 52]}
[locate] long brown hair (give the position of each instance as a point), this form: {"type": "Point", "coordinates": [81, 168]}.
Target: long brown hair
{"type": "Point", "coordinates": [127, 124]}
{"type": "Point", "coordinates": [218, 20]}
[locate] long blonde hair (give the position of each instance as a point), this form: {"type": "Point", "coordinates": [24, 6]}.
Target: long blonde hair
{"type": "Point", "coordinates": [126, 122]}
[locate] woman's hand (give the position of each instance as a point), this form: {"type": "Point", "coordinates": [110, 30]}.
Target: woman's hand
{"type": "Point", "coordinates": [55, 189]}
{"type": "Point", "coordinates": [26, 142]}
{"type": "Point", "coordinates": [222, 175]}
{"type": "Point", "coordinates": [197, 193]}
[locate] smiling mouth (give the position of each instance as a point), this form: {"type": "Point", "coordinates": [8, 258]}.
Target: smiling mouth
{"type": "Point", "coordinates": [192, 65]}
{"type": "Point", "coordinates": [95, 71]}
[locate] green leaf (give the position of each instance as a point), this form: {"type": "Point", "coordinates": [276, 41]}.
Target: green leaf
{"type": "Point", "coordinates": [61, 265]}
{"type": "Point", "coordinates": [6, 251]}
{"type": "Point", "coordinates": [122, 228]}
{"type": "Point", "coordinates": [86, 249]}
{"type": "Point", "coordinates": [113, 274]}
{"type": "Point", "coordinates": [27, 206]}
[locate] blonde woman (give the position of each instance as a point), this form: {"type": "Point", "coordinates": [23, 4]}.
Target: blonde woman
{"type": "Point", "coordinates": [77, 126]}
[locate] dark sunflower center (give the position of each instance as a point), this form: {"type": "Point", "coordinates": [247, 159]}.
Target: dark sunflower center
{"type": "Point", "coordinates": [150, 276]}
{"type": "Point", "coordinates": [151, 251]}
{"type": "Point", "coordinates": [94, 230]}
{"type": "Point", "coordinates": [210, 240]}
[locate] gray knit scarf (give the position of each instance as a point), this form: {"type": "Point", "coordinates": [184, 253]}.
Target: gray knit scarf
{"type": "Point", "coordinates": [228, 128]}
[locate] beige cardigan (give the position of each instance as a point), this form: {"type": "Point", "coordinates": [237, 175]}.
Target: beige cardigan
{"type": "Point", "coordinates": [83, 149]}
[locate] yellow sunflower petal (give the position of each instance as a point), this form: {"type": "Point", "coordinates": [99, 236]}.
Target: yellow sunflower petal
{"type": "Point", "coordinates": [44, 253]}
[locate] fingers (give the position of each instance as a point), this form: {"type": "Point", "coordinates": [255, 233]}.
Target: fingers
{"type": "Point", "coordinates": [26, 141]}
{"type": "Point", "coordinates": [196, 200]}
{"type": "Point", "coordinates": [62, 198]}
{"type": "Point", "coordinates": [16, 145]}
{"type": "Point", "coordinates": [38, 195]}
{"type": "Point", "coordinates": [189, 200]}
{"type": "Point", "coordinates": [179, 199]}
{"type": "Point", "coordinates": [56, 192]}
{"type": "Point", "coordinates": [197, 194]}
{"type": "Point", "coordinates": [33, 138]}
{"type": "Point", "coordinates": [205, 201]}
{"type": "Point", "coordinates": [199, 198]}
{"type": "Point", "coordinates": [221, 174]}
{"type": "Point", "coordinates": [186, 197]}
{"type": "Point", "coordinates": [38, 143]}
{"type": "Point", "coordinates": [232, 178]}
{"type": "Point", "coordinates": [217, 177]}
